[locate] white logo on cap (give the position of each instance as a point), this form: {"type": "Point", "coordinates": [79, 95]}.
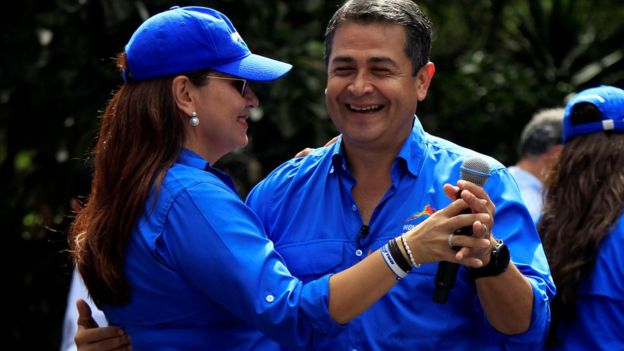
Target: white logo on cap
{"type": "Point", "coordinates": [594, 96]}
{"type": "Point", "coordinates": [608, 124]}
{"type": "Point", "coordinates": [235, 36]}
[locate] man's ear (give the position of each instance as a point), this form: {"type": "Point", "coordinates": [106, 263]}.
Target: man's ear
{"type": "Point", "coordinates": [182, 89]}
{"type": "Point", "coordinates": [554, 152]}
{"type": "Point", "coordinates": [423, 79]}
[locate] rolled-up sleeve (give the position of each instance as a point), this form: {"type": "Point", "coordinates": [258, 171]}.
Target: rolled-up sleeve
{"type": "Point", "coordinates": [514, 225]}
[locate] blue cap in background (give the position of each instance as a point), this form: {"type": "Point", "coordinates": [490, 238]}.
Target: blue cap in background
{"type": "Point", "coordinates": [610, 102]}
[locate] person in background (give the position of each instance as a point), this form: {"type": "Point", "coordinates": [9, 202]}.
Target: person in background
{"type": "Point", "coordinates": [540, 145]}
{"type": "Point", "coordinates": [583, 224]}
{"type": "Point", "coordinates": [166, 247]}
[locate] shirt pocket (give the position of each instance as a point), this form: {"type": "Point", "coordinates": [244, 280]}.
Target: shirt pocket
{"type": "Point", "coordinates": [312, 260]}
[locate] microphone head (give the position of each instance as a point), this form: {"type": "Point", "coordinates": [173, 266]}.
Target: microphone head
{"type": "Point", "coordinates": [475, 170]}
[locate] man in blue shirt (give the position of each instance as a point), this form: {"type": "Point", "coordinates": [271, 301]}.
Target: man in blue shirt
{"type": "Point", "coordinates": [540, 146]}
{"type": "Point", "coordinates": [385, 175]}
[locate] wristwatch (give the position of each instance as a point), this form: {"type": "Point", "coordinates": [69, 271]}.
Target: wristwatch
{"type": "Point", "coordinates": [499, 260]}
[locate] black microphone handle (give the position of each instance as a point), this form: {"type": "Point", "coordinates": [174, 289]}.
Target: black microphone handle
{"type": "Point", "coordinates": [447, 271]}
{"type": "Point", "coordinates": [475, 170]}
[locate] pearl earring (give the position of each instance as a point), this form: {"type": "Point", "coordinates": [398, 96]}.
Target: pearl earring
{"type": "Point", "coordinates": [194, 120]}
{"type": "Point", "coordinates": [325, 91]}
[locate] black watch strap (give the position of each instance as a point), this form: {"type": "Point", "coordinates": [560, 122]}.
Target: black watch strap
{"type": "Point", "coordinates": [499, 261]}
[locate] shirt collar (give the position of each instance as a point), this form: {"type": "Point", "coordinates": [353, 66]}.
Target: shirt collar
{"type": "Point", "coordinates": [190, 158]}
{"type": "Point", "coordinates": [338, 157]}
{"type": "Point", "coordinates": [412, 153]}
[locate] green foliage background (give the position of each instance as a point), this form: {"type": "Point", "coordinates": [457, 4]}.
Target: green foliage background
{"type": "Point", "coordinates": [497, 63]}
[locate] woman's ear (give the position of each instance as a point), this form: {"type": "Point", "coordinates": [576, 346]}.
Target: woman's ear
{"type": "Point", "coordinates": [423, 80]}
{"type": "Point", "coordinates": [182, 88]}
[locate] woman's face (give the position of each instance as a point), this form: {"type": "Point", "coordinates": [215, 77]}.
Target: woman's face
{"type": "Point", "coordinates": [222, 106]}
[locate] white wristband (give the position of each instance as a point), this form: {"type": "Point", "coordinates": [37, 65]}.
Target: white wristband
{"type": "Point", "coordinates": [394, 267]}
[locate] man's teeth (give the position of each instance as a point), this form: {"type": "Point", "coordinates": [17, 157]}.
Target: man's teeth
{"type": "Point", "coordinates": [364, 109]}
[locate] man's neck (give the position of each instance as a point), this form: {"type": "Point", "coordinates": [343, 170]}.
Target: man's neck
{"type": "Point", "coordinates": [371, 170]}
{"type": "Point", "coordinates": [532, 166]}
{"type": "Point", "coordinates": [364, 162]}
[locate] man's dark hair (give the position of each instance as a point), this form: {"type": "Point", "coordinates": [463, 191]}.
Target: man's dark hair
{"type": "Point", "coordinates": [402, 12]}
{"type": "Point", "coordinates": [543, 131]}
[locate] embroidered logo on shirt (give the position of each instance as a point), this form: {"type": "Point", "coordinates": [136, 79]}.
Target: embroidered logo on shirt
{"type": "Point", "coordinates": [427, 211]}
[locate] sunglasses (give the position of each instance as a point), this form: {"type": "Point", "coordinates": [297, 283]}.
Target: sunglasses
{"type": "Point", "coordinates": [239, 83]}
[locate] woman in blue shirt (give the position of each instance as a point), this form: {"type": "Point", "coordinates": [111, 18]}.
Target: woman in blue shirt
{"type": "Point", "coordinates": [583, 225]}
{"type": "Point", "coordinates": [165, 245]}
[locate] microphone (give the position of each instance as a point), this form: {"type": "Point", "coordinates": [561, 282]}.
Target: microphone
{"type": "Point", "coordinates": [477, 171]}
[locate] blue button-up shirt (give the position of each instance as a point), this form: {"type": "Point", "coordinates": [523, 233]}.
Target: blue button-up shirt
{"type": "Point", "coordinates": [308, 211]}
{"type": "Point", "coordinates": [531, 189]}
{"type": "Point", "coordinates": [204, 275]}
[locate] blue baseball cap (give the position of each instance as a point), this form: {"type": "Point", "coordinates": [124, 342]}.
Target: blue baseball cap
{"type": "Point", "coordinates": [610, 102]}
{"type": "Point", "coordinates": [187, 39]}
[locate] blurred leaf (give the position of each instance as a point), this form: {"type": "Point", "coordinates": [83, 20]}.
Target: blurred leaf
{"type": "Point", "coordinates": [23, 160]}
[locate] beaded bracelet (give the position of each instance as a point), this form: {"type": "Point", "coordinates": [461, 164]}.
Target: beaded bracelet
{"type": "Point", "coordinates": [409, 252]}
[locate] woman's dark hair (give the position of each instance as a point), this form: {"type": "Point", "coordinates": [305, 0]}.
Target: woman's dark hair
{"type": "Point", "coordinates": [585, 198]}
{"type": "Point", "coordinates": [141, 136]}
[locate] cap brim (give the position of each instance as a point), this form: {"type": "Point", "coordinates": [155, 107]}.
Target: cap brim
{"type": "Point", "coordinates": [255, 67]}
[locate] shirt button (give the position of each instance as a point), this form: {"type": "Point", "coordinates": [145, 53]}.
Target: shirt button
{"type": "Point", "coordinates": [270, 298]}
{"type": "Point", "coordinates": [358, 252]}
{"type": "Point", "coordinates": [353, 208]}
